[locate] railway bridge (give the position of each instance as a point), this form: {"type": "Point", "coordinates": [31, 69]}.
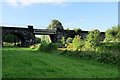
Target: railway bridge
{"type": "Point", "coordinates": [27, 35]}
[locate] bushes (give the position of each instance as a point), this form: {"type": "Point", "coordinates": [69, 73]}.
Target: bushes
{"type": "Point", "coordinates": [48, 47]}
{"type": "Point", "coordinates": [59, 44]}
{"type": "Point", "coordinates": [70, 46]}
{"type": "Point", "coordinates": [113, 47]}
{"type": "Point", "coordinates": [37, 40]}
{"type": "Point", "coordinates": [113, 34]}
{"type": "Point", "coordinates": [45, 39]}
{"type": "Point", "coordinates": [69, 40]}
{"type": "Point", "coordinates": [77, 30]}
{"type": "Point", "coordinates": [93, 38]}
{"type": "Point", "coordinates": [108, 58]}
{"type": "Point", "coordinates": [77, 42]}
{"type": "Point", "coordinates": [63, 40]}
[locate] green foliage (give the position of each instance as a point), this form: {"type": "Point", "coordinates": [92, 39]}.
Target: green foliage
{"type": "Point", "coordinates": [108, 58]}
{"type": "Point", "coordinates": [48, 47]}
{"type": "Point", "coordinates": [58, 44]}
{"type": "Point", "coordinates": [37, 40]}
{"type": "Point", "coordinates": [69, 40]}
{"type": "Point", "coordinates": [10, 38]}
{"type": "Point", "coordinates": [55, 24]}
{"type": "Point", "coordinates": [63, 40]}
{"type": "Point", "coordinates": [105, 57]}
{"type": "Point", "coordinates": [70, 46]}
{"type": "Point", "coordinates": [29, 63]}
{"type": "Point", "coordinates": [93, 38]}
{"type": "Point", "coordinates": [113, 34]}
{"type": "Point", "coordinates": [45, 39]}
{"type": "Point", "coordinates": [77, 30]}
{"type": "Point", "coordinates": [68, 29]}
{"type": "Point", "coordinates": [113, 47]}
{"type": "Point", "coordinates": [77, 42]}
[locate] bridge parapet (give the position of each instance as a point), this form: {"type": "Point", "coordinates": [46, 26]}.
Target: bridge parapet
{"type": "Point", "coordinates": [44, 31]}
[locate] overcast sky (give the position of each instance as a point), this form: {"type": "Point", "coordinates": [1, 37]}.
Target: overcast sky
{"type": "Point", "coordinates": [87, 15]}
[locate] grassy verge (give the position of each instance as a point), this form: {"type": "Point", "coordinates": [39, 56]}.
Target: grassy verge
{"type": "Point", "coordinates": [27, 63]}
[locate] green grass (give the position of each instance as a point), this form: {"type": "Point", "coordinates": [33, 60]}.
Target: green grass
{"type": "Point", "coordinates": [28, 63]}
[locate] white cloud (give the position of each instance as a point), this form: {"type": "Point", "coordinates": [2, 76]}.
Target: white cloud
{"type": "Point", "coordinates": [30, 2]}
{"type": "Point", "coordinates": [12, 2]}
{"type": "Point", "coordinates": [15, 3]}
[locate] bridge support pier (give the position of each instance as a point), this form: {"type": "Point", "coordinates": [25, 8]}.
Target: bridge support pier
{"type": "Point", "coordinates": [53, 38]}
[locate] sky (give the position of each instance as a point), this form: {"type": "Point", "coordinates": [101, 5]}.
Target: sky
{"type": "Point", "coordinates": [78, 14]}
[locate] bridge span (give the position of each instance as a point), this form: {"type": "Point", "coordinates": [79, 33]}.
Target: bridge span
{"type": "Point", "coordinates": [27, 35]}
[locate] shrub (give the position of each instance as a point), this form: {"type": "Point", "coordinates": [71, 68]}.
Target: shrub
{"type": "Point", "coordinates": [93, 38]}
{"type": "Point", "coordinates": [103, 57]}
{"type": "Point", "coordinates": [63, 52]}
{"type": "Point", "coordinates": [108, 58]}
{"type": "Point", "coordinates": [70, 46]}
{"type": "Point", "coordinates": [63, 40]}
{"type": "Point", "coordinates": [113, 34]}
{"type": "Point", "coordinates": [45, 39]}
{"type": "Point", "coordinates": [69, 40]}
{"type": "Point", "coordinates": [48, 47]}
{"type": "Point", "coordinates": [59, 44]}
{"type": "Point", "coordinates": [77, 42]}
{"type": "Point", "coordinates": [37, 40]}
{"type": "Point", "coordinates": [68, 29]}
{"type": "Point", "coordinates": [77, 30]}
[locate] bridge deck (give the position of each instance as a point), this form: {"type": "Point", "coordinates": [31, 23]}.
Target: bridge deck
{"type": "Point", "coordinates": [44, 31]}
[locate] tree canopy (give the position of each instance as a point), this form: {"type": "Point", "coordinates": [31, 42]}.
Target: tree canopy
{"type": "Point", "coordinates": [113, 34]}
{"type": "Point", "coordinates": [55, 24]}
{"type": "Point", "coordinates": [93, 38]}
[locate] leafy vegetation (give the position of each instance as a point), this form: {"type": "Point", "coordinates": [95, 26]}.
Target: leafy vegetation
{"type": "Point", "coordinates": [77, 42]}
{"type": "Point", "coordinates": [63, 40]}
{"type": "Point", "coordinates": [93, 38]}
{"type": "Point", "coordinates": [45, 39]}
{"type": "Point", "coordinates": [10, 38]}
{"type": "Point", "coordinates": [108, 57]}
{"type": "Point", "coordinates": [68, 29]}
{"type": "Point", "coordinates": [77, 30]}
{"type": "Point", "coordinates": [48, 47]}
{"type": "Point", "coordinates": [55, 24]}
{"type": "Point", "coordinates": [37, 40]}
{"type": "Point", "coordinates": [69, 40]}
{"type": "Point", "coordinates": [78, 52]}
{"type": "Point", "coordinates": [113, 34]}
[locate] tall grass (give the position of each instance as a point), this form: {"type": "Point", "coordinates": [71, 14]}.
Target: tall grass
{"type": "Point", "coordinates": [27, 63]}
{"type": "Point", "coordinates": [48, 47]}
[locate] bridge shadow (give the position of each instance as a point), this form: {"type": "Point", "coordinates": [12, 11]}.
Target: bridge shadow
{"type": "Point", "coordinates": [13, 40]}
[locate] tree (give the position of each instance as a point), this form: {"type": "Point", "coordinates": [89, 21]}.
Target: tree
{"type": "Point", "coordinates": [77, 30]}
{"type": "Point", "coordinates": [118, 33]}
{"type": "Point", "coordinates": [45, 39]}
{"type": "Point", "coordinates": [93, 38]}
{"type": "Point", "coordinates": [113, 34]}
{"type": "Point", "coordinates": [55, 24]}
{"type": "Point", "coordinates": [10, 38]}
{"type": "Point", "coordinates": [77, 42]}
